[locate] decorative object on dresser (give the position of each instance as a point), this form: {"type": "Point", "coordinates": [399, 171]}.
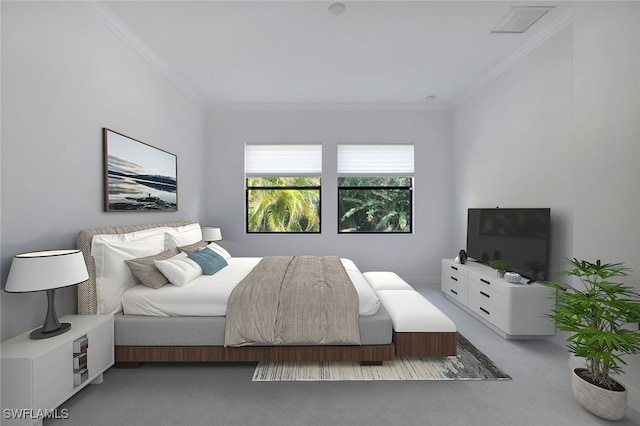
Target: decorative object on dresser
{"type": "Point", "coordinates": [601, 316]}
{"type": "Point", "coordinates": [47, 270]}
{"type": "Point", "coordinates": [211, 234]}
{"type": "Point", "coordinates": [500, 266]}
{"type": "Point", "coordinates": [39, 375]}
{"type": "Point", "coordinates": [138, 176]}
{"type": "Point", "coordinates": [514, 311]}
{"type": "Point", "coordinates": [512, 277]}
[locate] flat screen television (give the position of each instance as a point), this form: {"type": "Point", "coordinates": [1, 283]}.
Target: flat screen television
{"type": "Point", "coordinates": [519, 236]}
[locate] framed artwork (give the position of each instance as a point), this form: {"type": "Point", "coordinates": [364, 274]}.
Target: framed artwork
{"type": "Point", "coordinates": [137, 176]}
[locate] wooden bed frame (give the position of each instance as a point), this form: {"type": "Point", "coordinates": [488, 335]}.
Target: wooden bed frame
{"type": "Point", "coordinates": [404, 344]}
{"type": "Point", "coordinates": [133, 356]}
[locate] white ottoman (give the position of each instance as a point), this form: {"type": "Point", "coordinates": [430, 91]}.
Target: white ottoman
{"type": "Point", "coordinates": [411, 312]}
{"type": "Point", "coordinates": [419, 328]}
{"type": "Point", "coordinates": [384, 280]}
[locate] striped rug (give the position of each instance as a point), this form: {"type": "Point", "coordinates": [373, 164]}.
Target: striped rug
{"type": "Point", "coordinates": [469, 364]}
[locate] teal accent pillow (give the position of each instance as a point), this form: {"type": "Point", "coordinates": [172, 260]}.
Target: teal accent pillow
{"type": "Point", "coordinates": [210, 261]}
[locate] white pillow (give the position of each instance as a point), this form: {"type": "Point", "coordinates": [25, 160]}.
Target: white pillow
{"type": "Point", "coordinates": [367, 298]}
{"type": "Point", "coordinates": [349, 265]}
{"type": "Point", "coordinates": [222, 252]}
{"type": "Point", "coordinates": [182, 236]}
{"type": "Point", "coordinates": [113, 276]}
{"type": "Point", "coordinates": [368, 302]}
{"type": "Point", "coordinates": [179, 270]}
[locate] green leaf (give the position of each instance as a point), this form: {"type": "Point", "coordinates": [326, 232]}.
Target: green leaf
{"type": "Point", "coordinates": [596, 316]}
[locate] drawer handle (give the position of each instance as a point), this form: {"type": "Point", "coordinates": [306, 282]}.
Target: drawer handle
{"type": "Point", "coordinates": [454, 292]}
{"type": "Point", "coordinates": [454, 278]}
{"type": "Point", "coordinates": [485, 294]}
{"type": "Point", "coordinates": [485, 281]}
{"type": "Point", "coordinates": [485, 311]}
{"type": "Point", "coordinates": [454, 267]}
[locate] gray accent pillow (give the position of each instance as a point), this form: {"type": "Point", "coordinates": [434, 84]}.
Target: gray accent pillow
{"type": "Point", "coordinates": [192, 248]}
{"type": "Point", "coordinates": [145, 270]}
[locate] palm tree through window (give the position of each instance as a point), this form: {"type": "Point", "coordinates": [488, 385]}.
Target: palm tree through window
{"type": "Point", "coordinates": [283, 186]}
{"type": "Point", "coordinates": [283, 204]}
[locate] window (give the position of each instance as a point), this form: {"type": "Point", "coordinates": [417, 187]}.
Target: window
{"type": "Point", "coordinates": [375, 188]}
{"type": "Point", "coordinates": [283, 185]}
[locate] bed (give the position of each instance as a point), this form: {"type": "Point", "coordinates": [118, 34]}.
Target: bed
{"type": "Point", "coordinates": [187, 322]}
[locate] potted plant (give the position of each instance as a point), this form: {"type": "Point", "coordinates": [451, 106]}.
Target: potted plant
{"type": "Point", "coordinates": [500, 266]}
{"type": "Point", "coordinates": [596, 316]}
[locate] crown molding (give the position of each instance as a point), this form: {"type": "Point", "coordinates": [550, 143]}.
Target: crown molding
{"type": "Point", "coordinates": [549, 31]}
{"type": "Point", "coordinates": [329, 106]}
{"type": "Point", "coordinates": [102, 12]}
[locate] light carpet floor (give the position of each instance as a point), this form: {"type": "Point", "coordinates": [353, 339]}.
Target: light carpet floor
{"type": "Point", "coordinates": [469, 364]}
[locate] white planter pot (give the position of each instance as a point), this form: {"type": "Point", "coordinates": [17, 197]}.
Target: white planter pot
{"type": "Point", "coordinates": [605, 403]}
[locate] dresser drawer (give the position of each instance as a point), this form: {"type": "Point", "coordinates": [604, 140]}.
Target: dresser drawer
{"type": "Point", "coordinates": [100, 348]}
{"type": "Point", "coordinates": [453, 271]}
{"type": "Point", "coordinates": [496, 283]}
{"type": "Point", "coordinates": [52, 377]}
{"type": "Point", "coordinates": [454, 281]}
{"type": "Point", "coordinates": [487, 311]}
{"type": "Point", "coordinates": [456, 290]}
{"type": "Point", "coordinates": [488, 295]}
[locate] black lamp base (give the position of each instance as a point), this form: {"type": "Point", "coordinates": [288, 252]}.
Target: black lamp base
{"type": "Point", "coordinates": [39, 334]}
{"type": "Point", "coordinates": [51, 327]}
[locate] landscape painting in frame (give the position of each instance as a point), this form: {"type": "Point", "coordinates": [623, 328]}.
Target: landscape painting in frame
{"type": "Point", "coordinates": [138, 177]}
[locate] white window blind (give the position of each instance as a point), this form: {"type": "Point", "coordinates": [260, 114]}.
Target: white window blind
{"type": "Point", "coordinates": [375, 160]}
{"type": "Point", "coordinates": [283, 160]}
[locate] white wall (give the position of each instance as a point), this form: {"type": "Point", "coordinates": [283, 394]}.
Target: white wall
{"type": "Point", "coordinates": [607, 129]}
{"type": "Point", "coordinates": [606, 114]}
{"type": "Point", "coordinates": [415, 257]}
{"type": "Point", "coordinates": [513, 138]}
{"type": "Point", "coordinates": [64, 77]}
{"type": "Point", "coordinates": [560, 130]}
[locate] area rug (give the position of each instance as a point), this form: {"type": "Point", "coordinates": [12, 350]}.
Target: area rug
{"type": "Point", "coordinates": [469, 364]}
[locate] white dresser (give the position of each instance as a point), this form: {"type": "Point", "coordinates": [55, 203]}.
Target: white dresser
{"type": "Point", "coordinates": [514, 311]}
{"type": "Point", "coordinates": [39, 375]}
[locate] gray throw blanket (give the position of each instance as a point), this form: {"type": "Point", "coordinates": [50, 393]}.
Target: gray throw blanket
{"type": "Point", "coordinates": [287, 300]}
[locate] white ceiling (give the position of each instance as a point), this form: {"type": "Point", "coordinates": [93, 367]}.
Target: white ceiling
{"type": "Point", "coordinates": [226, 53]}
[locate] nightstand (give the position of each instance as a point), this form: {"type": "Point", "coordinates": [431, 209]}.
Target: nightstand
{"type": "Point", "coordinates": [39, 375]}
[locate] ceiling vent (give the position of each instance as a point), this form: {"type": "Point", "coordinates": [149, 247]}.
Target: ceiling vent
{"type": "Point", "coordinates": [520, 18]}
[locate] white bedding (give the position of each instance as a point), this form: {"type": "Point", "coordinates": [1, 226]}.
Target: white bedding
{"type": "Point", "coordinates": [207, 295]}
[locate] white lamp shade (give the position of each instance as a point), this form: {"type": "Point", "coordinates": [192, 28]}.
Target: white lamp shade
{"type": "Point", "coordinates": [43, 270]}
{"type": "Point", "coordinates": [211, 234]}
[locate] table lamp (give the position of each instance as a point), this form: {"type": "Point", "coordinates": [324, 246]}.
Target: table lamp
{"type": "Point", "coordinates": [210, 234]}
{"type": "Point", "coordinates": [47, 270]}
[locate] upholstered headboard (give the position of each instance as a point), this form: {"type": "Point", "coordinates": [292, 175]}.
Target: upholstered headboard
{"type": "Point", "coordinates": [87, 300]}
